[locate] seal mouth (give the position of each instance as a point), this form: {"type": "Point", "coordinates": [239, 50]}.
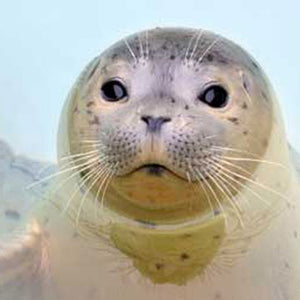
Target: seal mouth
{"type": "Point", "coordinates": [157, 170]}
{"type": "Point", "coordinates": [153, 169]}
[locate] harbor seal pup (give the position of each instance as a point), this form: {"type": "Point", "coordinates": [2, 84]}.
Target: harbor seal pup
{"type": "Point", "coordinates": [173, 156]}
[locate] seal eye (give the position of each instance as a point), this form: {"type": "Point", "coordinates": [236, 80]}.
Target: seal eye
{"type": "Point", "coordinates": [113, 90]}
{"type": "Point", "coordinates": [215, 96]}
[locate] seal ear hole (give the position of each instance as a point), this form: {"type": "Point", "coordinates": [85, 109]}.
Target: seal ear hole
{"type": "Point", "coordinates": [215, 96]}
{"type": "Point", "coordinates": [114, 90]}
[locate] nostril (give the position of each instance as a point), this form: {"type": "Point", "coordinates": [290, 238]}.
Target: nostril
{"type": "Point", "coordinates": [146, 119]}
{"type": "Point", "coordinates": [154, 123]}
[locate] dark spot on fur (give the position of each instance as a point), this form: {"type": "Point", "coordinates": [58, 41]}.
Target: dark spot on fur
{"type": "Point", "coordinates": [245, 85]}
{"type": "Point", "coordinates": [286, 265]}
{"type": "Point", "coordinates": [245, 132]}
{"type": "Point", "coordinates": [216, 237]}
{"type": "Point", "coordinates": [217, 296]}
{"type": "Point", "coordinates": [159, 266]}
{"type": "Point", "coordinates": [173, 100]}
{"type": "Point", "coordinates": [265, 143]}
{"type": "Point", "coordinates": [95, 121]}
{"type": "Point", "coordinates": [210, 57]}
{"type": "Point", "coordinates": [295, 234]}
{"type": "Point", "coordinates": [148, 223]}
{"type": "Point", "coordinates": [264, 96]}
{"type": "Point", "coordinates": [186, 107]}
{"type": "Point", "coordinates": [234, 120]}
{"type": "Point", "coordinates": [164, 47]}
{"type": "Point", "coordinates": [89, 112]}
{"type": "Point", "coordinates": [245, 105]}
{"type": "Point", "coordinates": [255, 65]}
{"type": "Point", "coordinates": [114, 56]}
{"type": "Point", "coordinates": [223, 61]}
{"type": "Point", "coordinates": [83, 173]}
{"type": "Point", "coordinates": [75, 235]}
{"type": "Point", "coordinates": [216, 212]}
{"type": "Point", "coordinates": [12, 214]}
{"type": "Point", "coordinates": [90, 103]}
{"type": "Point", "coordinates": [104, 70]}
{"type": "Point", "coordinates": [172, 57]}
{"type": "Point", "coordinates": [184, 256]}
{"type": "Point", "coordinates": [187, 235]}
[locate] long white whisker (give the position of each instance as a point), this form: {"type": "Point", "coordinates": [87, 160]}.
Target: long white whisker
{"type": "Point", "coordinates": [107, 171]}
{"type": "Point", "coordinates": [188, 47]}
{"type": "Point", "coordinates": [59, 173]}
{"type": "Point", "coordinates": [196, 44]}
{"type": "Point", "coordinates": [147, 45]}
{"type": "Point", "coordinates": [252, 181]}
{"type": "Point", "coordinates": [219, 160]}
{"type": "Point", "coordinates": [234, 205]}
{"type": "Point", "coordinates": [130, 50]}
{"type": "Point", "coordinates": [83, 180]}
{"type": "Point", "coordinates": [67, 157]}
{"type": "Point", "coordinates": [208, 49]}
{"type": "Point", "coordinates": [244, 89]}
{"type": "Point", "coordinates": [215, 197]}
{"type": "Point", "coordinates": [142, 54]}
{"type": "Point", "coordinates": [205, 191]}
{"type": "Point", "coordinates": [244, 186]}
{"type": "Point", "coordinates": [109, 178]}
{"type": "Point", "coordinates": [75, 174]}
{"type": "Point", "coordinates": [97, 177]}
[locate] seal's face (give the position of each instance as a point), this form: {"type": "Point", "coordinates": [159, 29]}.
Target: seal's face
{"type": "Point", "coordinates": [163, 115]}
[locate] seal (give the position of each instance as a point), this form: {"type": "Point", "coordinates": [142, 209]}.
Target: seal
{"type": "Point", "coordinates": [173, 156]}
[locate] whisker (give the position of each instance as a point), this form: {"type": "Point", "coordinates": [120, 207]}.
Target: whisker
{"type": "Point", "coordinates": [196, 44]}
{"type": "Point", "coordinates": [230, 184]}
{"type": "Point", "coordinates": [142, 54]}
{"type": "Point", "coordinates": [147, 45]}
{"type": "Point", "coordinates": [220, 160]}
{"type": "Point", "coordinates": [109, 178]}
{"type": "Point", "coordinates": [208, 49]}
{"type": "Point", "coordinates": [130, 50]}
{"type": "Point", "coordinates": [97, 177]}
{"type": "Point", "coordinates": [203, 187]}
{"type": "Point", "coordinates": [59, 173]}
{"type": "Point", "coordinates": [255, 160]}
{"type": "Point", "coordinates": [82, 182]}
{"type": "Point", "coordinates": [215, 197]}
{"type": "Point", "coordinates": [244, 89]}
{"type": "Point", "coordinates": [188, 47]}
{"type": "Point", "coordinates": [234, 205]}
{"type": "Point", "coordinates": [78, 155]}
{"type": "Point", "coordinates": [234, 150]}
{"type": "Point", "coordinates": [244, 186]}
{"type": "Point", "coordinates": [82, 169]}
{"type": "Point", "coordinates": [98, 194]}
{"type": "Point", "coordinates": [252, 181]}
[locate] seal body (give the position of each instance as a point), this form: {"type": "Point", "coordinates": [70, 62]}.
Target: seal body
{"type": "Point", "coordinates": [174, 169]}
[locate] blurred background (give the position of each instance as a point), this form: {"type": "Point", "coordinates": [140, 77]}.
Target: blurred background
{"type": "Point", "coordinates": [45, 44]}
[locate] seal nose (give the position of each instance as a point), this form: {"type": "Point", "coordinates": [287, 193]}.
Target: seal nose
{"type": "Point", "coordinates": [154, 124]}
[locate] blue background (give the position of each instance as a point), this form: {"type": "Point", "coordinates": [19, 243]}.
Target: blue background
{"type": "Point", "coordinates": [45, 44]}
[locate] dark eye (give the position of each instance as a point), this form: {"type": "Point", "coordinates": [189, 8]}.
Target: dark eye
{"type": "Point", "coordinates": [215, 96]}
{"type": "Point", "coordinates": [113, 90]}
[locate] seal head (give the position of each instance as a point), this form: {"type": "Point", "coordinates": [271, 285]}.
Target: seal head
{"type": "Point", "coordinates": [167, 127]}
